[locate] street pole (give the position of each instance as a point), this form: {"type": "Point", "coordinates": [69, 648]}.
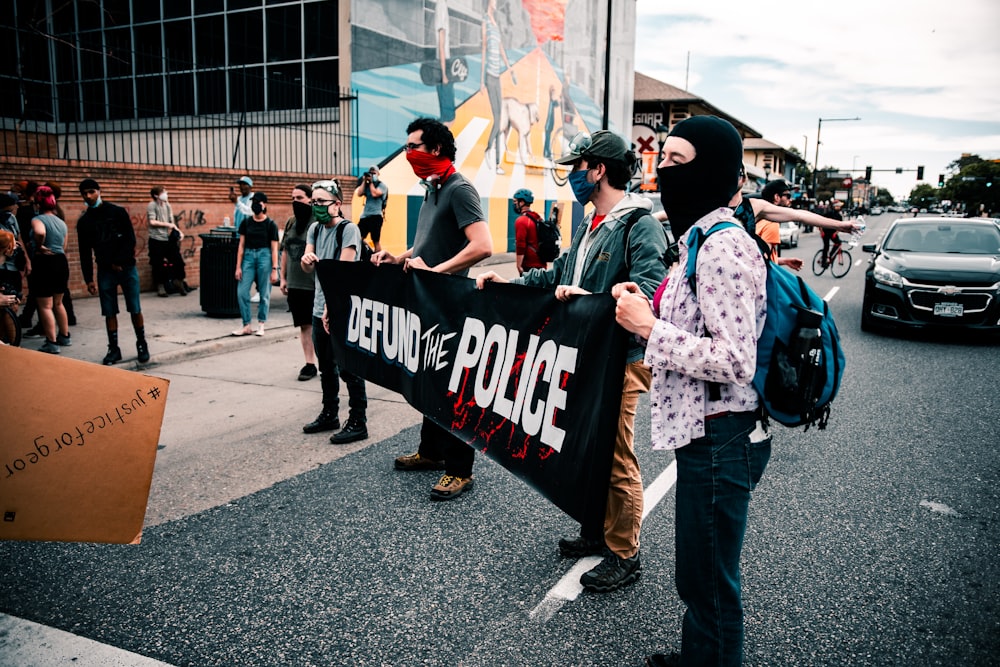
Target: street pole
{"type": "Point", "coordinates": [816, 159]}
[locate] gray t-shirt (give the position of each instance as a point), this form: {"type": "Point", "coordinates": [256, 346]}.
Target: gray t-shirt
{"type": "Point", "coordinates": [161, 211]}
{"type": "Point", "coordinates": [324, 239]}
{"type": "Point", "coordinates": [443, 218]}
{"type": "Point", "coordinates": [374, 205]}
{"type": "Point", "coordinates": [55, 233]}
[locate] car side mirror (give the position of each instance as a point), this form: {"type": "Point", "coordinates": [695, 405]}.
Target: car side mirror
{"type": "Point", "coordinates": [868, 247]}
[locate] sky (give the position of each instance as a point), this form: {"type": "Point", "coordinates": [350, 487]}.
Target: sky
{"type": "Point", "coordinates": [923, 77]}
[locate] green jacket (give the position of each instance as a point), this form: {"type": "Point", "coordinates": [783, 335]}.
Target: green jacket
{"type": "Point", "coordinates": [603, 259]}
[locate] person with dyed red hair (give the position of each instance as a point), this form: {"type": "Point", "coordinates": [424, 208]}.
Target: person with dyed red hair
{"type": "Point", "coordinates": [49, 279]}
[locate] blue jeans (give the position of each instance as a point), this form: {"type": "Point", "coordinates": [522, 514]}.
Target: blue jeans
{"type": "Point", "coordinates": [256, 269]}
{"type": "Point", "coordinates": [108, 281]}
{"type": "Point", "coordinates": [715, 475]}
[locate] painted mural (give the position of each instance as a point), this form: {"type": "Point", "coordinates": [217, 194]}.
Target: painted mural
{"type": "Point", "coordinates": [514, 83]}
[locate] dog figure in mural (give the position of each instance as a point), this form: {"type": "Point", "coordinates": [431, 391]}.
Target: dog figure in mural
{"type": "Point", "coordinates": [519, 117]}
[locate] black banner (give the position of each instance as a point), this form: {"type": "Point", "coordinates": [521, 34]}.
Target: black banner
{"type": "Point", "coordinates": [532, 382]}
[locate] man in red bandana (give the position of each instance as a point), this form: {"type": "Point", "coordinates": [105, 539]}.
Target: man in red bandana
{"type": "Point", "coordinates": [452, 235]}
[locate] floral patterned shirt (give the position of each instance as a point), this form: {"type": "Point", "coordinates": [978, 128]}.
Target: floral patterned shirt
{"type": "Point", "coordinates": [711, 338]}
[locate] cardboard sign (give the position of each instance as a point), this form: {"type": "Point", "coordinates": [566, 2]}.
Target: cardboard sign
{"type": "Point", "coordinates": [77, 447]}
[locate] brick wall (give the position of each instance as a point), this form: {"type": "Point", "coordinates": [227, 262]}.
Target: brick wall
{"type": "Point", "coordinates": [199, 199]}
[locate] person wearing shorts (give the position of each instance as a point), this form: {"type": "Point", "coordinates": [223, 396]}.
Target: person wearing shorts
{"type": "Point", "coordinates": [105, 233]}
{"type": "Point", "coordinates": [295, 283]}
{"type": "Point", "coordinates": [376, 193]}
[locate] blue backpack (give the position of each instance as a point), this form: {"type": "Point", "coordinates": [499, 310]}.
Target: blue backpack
{"type": "Point", "coordinates": [799, 359]}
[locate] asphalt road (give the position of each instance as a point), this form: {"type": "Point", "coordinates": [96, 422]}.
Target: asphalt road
{"type": "Point", "coordinates": [874, 542]}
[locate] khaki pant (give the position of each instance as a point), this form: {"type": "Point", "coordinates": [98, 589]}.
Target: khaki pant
{"type": "Point", "coordinates": [623, 517]}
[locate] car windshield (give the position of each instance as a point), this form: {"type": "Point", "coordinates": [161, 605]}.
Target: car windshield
{"type": "Point", "coordinates": [966, 239]}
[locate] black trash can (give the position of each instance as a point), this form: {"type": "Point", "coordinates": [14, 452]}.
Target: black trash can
{"type": "Point", "coordinates": [218, 273]}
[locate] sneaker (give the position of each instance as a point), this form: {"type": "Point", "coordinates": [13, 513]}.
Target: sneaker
{"type": "Point", "coordinates": [142, 351]}
{"type": "Point", "coordinates": [325, 422]}
{"type": "Point", "coordinates": [33, 332]}
{"type": "Point", "coordinates": [612, 573]}
{"type": "Point", "coordinates": [354, 430]}
{"type": "Point", "coordinates": [260, 330]}
{"type": "Point", "coordinates": [255, 298]}
{"type": "Point", "coordinates": [113, 356]}
{"type": "Point", "coordinates": [580, 546]}
{"type": "Point", "coordinates": [450, 487]}
{"type": "Point", "coordinates": [308, 372]}
{"type": "Point", "coordinates": [416, 462]}
{"type": "Point", "coordinates": [50, 347]}
{"type": "Point", "coordinates": [64, 341]}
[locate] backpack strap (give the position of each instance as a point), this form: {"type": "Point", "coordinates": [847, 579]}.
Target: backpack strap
{"type": "Point", "coordinates": [695, 240]}
{"type": "Point", "coordinates": [633, 217]}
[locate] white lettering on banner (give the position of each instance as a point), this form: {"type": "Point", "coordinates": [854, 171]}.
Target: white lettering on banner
{"type": "Point", "coordinates": [651, 119]}
{"type": "Point", "coordinates": [434, 351]}
{"type": "Point", "coordinates": [373, 326]}
{"type": "Point", "coordinates": [492, 355]}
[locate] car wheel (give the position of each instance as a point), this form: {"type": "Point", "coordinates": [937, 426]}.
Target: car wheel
{"type": "Point", "coordinates": [867, 321]}
{"type": "Point", "coordinates": [795, 241]}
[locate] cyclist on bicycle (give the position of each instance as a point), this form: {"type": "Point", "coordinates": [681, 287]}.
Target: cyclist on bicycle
{"type": "Point", "coordinates": [830, 235]}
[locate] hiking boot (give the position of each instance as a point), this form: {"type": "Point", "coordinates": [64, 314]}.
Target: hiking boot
{"type": "Point", "coordinates": [113, 356]}
{"type": "Point", "coordinates": [161, 290]}
{"type": "Point", "coordinates": [580, 546]}
{"type": "Point", "coordinates": [142, 351]}
{"type": "Point", "coordinates": [308, 372]}
{"type": "Point", "coordinates": [50, 347]}
{"type": "Point", "coordinates": [612, 573]}
{"type": "Point", "coordinates": [450, 487]}
{"type": "Point", "coordinates": [416, 462]}
{"type": "Point", "coordinates": [354, 430]}
{"type": "Point", "coordinates": [64, 341]}
{"type": "Point", "coordinates": [327, 421]}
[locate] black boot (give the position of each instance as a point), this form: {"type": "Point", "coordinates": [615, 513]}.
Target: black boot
{"type": "Point", "coordinates": [327, 421]}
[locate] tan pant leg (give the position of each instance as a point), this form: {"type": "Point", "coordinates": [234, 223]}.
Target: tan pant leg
{"type": "Point", "coordinates": [623, 518]}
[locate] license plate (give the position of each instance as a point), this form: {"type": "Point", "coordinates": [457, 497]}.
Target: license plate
{"type": "Point", "coordinates": [948, 309]}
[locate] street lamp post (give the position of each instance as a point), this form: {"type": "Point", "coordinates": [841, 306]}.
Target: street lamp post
{"type": "Point", "coordinates": [816, 158]}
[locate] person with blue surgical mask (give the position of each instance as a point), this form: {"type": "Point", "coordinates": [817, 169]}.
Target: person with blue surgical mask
{"type": "Point", "coordinates": [618, 237]}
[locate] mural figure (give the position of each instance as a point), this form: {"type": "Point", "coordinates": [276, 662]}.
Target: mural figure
{"type": "Point", "coordinates": [493, 52]}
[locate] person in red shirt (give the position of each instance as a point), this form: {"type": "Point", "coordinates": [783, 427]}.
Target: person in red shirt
{"type": "Point", "coordinates": [525, 233]}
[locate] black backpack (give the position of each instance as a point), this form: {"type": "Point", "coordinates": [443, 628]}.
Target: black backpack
{"type": "Point", "coordinates": [365, 249]}
{"type": "Point", "coordinates": [549, 237]}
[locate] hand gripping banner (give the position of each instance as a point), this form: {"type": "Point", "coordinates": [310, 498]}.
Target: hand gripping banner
{"type": "Point", "coordinates": [532, 382]}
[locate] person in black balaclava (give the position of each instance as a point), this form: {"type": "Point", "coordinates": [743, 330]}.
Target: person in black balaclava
{"type": "Point", "coordinates": [701, 345]}
{"type": "Point", "coordinates": [295, 283]}
{"type": "Point", "coordinates": [690, 190]}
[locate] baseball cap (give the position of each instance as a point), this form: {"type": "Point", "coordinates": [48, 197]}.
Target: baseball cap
{"type": "Point", "coordinates": [775, 187]}
{"type": "Point", "coordinates": [602, 144]}
{"type": "Point", "coordinates": [7, 199]}
{"type": "Point", "coordinates": [525, 194]}
{"type": "Point", "coordinates": [245, 179]}
{"type": "Point", "coordinates": [259, 196]}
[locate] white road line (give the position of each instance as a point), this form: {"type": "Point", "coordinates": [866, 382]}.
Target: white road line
{"type": "Point", "coordinates": [569, 588]}
{"type": "Point", "coordinates": [829, 295]}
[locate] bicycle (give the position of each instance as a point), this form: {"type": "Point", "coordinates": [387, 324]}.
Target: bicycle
{"type": "Point", "coordinates": [839, 261]}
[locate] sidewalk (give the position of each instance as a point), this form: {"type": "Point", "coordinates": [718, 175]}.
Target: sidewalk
{"type": "Point", "coordinates": [178, 330]}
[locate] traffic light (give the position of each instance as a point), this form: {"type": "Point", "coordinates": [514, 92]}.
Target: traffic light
{"type": "Point", "coordinates": [940, 180]}
{"type": "Point", "coordinates": [920, 173]}
{"type": "Point", "coordinates": [868, 174]}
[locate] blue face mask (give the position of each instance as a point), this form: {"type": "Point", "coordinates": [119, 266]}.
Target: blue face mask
{"type": "Point", "coordinates": [582, 189]}
{"type": "Point", "coordinates": [96, 203]}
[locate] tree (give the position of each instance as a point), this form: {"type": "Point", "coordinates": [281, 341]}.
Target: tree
{"type": "Point", "coordinates": [976, 185]}
{"type": "Point", "coordinates": [923, 195]}
{"type": "Point", "coordinates": [884, 197]}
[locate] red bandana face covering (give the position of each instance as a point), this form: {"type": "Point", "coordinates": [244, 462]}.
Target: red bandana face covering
{"type": "Point", "coordinates": [425, 165]}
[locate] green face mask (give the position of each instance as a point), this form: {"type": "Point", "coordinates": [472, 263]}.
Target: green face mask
{"type": "Point", "coordinates": [322, 214]}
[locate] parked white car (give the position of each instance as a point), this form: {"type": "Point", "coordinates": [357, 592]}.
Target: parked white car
{"type": "Point", "coordinates": [789, 232]}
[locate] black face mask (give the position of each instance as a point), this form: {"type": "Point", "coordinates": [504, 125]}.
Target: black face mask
{"type": "Point", "coordinates": [257, 208]}
{"type": "Point", "coordinates": [303, 214]}
{"type": "Point", "coordinates": [692, 190]}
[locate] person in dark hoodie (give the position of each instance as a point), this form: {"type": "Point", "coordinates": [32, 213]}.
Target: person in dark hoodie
{"type": "Point", "coordinates": [295, 283]}
{"type": "Point", "coordinates": [105, 233]}
{"type": "Point", "coordinates": [701, 347]}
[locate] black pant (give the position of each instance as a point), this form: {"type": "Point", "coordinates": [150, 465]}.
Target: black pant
{"type": "Point", "coordinates": [166, 261]}
{"type": "Point", "coordinates": [438, 443]}
{"type": "Point", "coordinates": [330, 374]}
